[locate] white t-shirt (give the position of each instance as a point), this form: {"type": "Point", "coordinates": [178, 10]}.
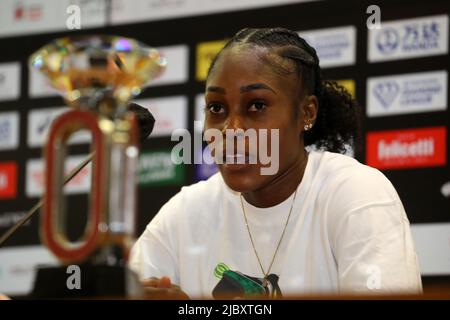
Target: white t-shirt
{"type": "Point", "coordinates": [348, 231]}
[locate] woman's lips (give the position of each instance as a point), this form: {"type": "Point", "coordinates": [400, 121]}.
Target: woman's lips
{"type": "Point", "coordinates": [239, 158]}
{"type": "Point", "coordinates": [238, 161]}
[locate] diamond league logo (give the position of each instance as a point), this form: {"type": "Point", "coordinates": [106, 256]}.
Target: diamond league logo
{"type": "Point", "coordinates": [387, 40]}
{"type": "Point", "coordinates": [386, 92]}
{"type": "Point", "coordinates": [5, 130]}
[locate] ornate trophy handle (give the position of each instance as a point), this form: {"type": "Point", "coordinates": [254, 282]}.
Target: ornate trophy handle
{"type": "Point", "coordinates": [54, 209]}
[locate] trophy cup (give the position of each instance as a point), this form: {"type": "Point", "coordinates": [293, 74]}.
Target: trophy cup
{"type": "Point", "coordinates": [97, 76]}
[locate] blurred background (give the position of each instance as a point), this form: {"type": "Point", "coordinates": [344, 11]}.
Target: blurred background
{"type": "Point", "coordinates": [398, 73]}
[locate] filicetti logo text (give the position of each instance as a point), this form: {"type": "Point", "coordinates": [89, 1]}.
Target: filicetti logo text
{"type": "Point", "coordinates": [8, 180]}
{"type": "Point", "coordinates": [407, 148]}
{"type": "Point", "coordinates": [398, 149]}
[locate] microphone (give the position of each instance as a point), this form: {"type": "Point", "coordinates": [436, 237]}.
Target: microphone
{"type": "Point", "coordinates": [146, 122]}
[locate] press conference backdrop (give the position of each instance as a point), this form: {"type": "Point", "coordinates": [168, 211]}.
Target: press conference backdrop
{"type": "Point", "coordinates": [399, 74]}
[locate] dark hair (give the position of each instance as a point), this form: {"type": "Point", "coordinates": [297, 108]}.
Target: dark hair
{"type": "Point", "coordinates": [337, 120]}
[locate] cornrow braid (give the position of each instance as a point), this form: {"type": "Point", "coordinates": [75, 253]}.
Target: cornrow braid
{"type": "Point", "coordinates": [336, 124]}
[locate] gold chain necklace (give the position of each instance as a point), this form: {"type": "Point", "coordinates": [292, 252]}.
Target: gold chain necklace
{"type": "Point", "coordinates": [266, 274]}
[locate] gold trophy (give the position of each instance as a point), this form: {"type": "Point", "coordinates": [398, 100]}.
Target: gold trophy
{"type": "Point", "coordinates": [97, 76]}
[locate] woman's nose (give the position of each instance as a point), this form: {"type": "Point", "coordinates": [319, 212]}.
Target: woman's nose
{"type": "Point", "coordinates": [234, 122]}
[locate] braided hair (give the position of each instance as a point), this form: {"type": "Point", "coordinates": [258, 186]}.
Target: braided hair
{"type": "Point", "coordinates": [336, 124]}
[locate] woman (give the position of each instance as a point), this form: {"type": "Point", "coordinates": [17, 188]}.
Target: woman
{"type": "Point", "coordinates": [323, 223]}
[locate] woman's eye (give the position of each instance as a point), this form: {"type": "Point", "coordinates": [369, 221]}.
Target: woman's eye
{"type": "Point", "coordinates": [216, 108]}
{"type": "Point", "coordinates": [257, 106]}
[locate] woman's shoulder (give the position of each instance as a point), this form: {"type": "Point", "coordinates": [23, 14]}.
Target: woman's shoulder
{"type": "Point", "coordinates": [340, 166]}
{"type": "Point", "coordinates": [346, 179]}
{"type": "Point", "coordinates": [192, 200]}
{"type": "Point", "coordinates": [204, 190]}
{"type": "Point", "coordinates": [351, 192]}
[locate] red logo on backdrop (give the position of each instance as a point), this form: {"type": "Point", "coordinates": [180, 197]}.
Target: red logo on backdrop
{"type": "Point", "coordinates": [8, 180]}
{"type": "Point", "coordinates": [32, 12]}
{"type": "Point", "coordinates": [410, 148]}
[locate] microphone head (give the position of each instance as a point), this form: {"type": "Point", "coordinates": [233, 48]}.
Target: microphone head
{"type": "Point", "coordinates": [145, 120]}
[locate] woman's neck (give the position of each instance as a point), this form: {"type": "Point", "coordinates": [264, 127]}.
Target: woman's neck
{"type": "Point", "coordinates": [280, 188]}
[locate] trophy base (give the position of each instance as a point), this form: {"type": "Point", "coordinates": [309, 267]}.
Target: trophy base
{"type": "Point", "coordinates": [89, 281]}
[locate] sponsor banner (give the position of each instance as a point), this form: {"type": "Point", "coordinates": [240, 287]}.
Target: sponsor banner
{"type": "Point", "coordinates": [410, 38]}
{"type": "Point", "coordinates": [8, 219]}
{"type": "Point", "coordinates": [93, 12]}
{"type": "Point", "coordinates": [8, 180]}
{"type": "Point", "coordinates": [39, 86]}
{"type": "Point", "coordinates": [9, 81]}
{"type": "Point", "coordinates": [39, 16]}
{"type": "Point", "coordinates": [445, 189]}
{"type": "Point", "coordinates": [20, 17]}
{"type": "Point", "coordinates": [39, 121]}
{"type": "Point", "coordinates": [409, 148]}
{"type": "Point", "coordinates": [170, 113]}
{"type": "Point", "coordinates": [156, 168]}
{"type": "Point", "coordinates": [29, 16]}
{"type": "Point", "coordinates": [432, 241]}
{"type": "Point", "coordinates": [9, 130]}
{"type": "Point", "coordinates": [19, 265]}
{"type": "Point", "coordinates": [177, 65]}
{"type": "Point", "coordinates": [81, 183]}
{"type": "Point", "coordinates": [409, 93]}
{"type": "Point", "coordinates": [151, 10]}
{"type": "Point", "coordinates": [199, 114]}
{"type": "Point", "coordinates": [334, 46]}
{"type": "Point", "coordinates": [349, 85]}
{"type": "Point", "coordinates": [205, 53]}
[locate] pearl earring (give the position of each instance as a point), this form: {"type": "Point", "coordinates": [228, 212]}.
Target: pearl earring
{"type": "Point", "coordinates": [308, 126]}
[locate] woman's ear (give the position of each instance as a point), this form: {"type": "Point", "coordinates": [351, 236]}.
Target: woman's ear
{"type": "Point", "coordinates": [309, 111]}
